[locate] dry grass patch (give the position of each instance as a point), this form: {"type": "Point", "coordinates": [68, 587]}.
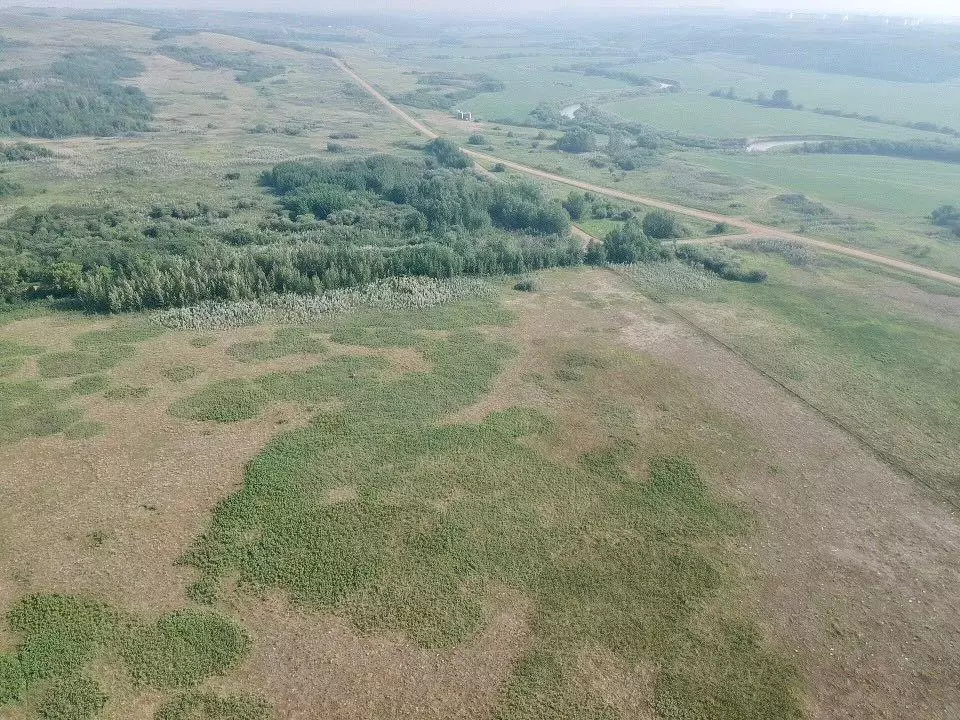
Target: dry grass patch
{"type": "Point", "coordinates": [311, 666]}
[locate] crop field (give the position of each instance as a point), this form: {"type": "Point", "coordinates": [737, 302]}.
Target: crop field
{"type": "Point", "coordinates": [696, 113]}
{"type": "Point", "coordinates": [304, 415]}
{"type": "Point", "coordinates": [890, 100]}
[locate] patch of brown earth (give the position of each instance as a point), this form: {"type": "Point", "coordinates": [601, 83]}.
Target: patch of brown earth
{"type": "Point", "coordinates": [110, 515]}
{"type": "Point", "coordinates": [318, 666]}
{"type": "Point", "coordinates": [607, 679]}
{"type": "Point", "coordinates": [341, 494]}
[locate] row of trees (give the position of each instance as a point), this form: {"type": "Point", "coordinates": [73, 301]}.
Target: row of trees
{"type": "Point", "coordinates": [781, 99]}
{"type": "Point", "coordinates": [306, 268]}
{"type": "Point", "coordinates": [248, 68]}
{"type": "Point", "coordinates": [444, 90]}
{"type": "Point", "coordinates": [915, 149]}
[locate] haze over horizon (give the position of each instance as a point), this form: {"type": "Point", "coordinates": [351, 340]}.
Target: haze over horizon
{"type": "Point", "coordinates": [927, 8]}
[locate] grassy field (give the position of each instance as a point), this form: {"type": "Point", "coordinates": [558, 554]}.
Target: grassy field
{"type": "Point", "coordinates": [897, 101]}
{"type": "Point", "coordinates": [454, 498]}
{"type": "Point", "coordinates": [895, 187]}
{"type": "Point", "coordinates": [696, 113]}
{"type": "Point", "coordinates": [863, 347]}
{"type": "Point", "coordinates": [369, 512]}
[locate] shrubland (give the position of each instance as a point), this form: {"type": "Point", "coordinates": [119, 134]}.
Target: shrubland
{"type": "Point", "coordinates": [77, 95]}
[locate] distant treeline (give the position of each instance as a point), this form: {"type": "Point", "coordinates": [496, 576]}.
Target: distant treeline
{"type": "Point", "coordinates": [81, 97]}
{"type": "Point", "coordinates": [882, 53]}
{"type": "Point", "coordinates": [444, 90]}
{"type": "Point", "coordinates": [915, 149]}
{"type": "Point", "coordinates": [248, 68]}
{"type": "Point", "coordinates": [615, 73]}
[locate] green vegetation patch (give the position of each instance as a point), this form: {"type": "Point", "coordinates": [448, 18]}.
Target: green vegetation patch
{"type": "Point", "coordinates": [11, 678]}
{"type": "Point", "coordinates": [180, 373]}
{"type": "Point", "coordinates": [286, 341]}
{"type": "Point", "coordinates": [127, 392]}
{"type": "Point", "coordinates": [224, 401]}
{"type": "Point", "coordinates": [89, 384]}
{"type": "Point", "coordinates": [182, 649]}
{"type": "Point", "coordinates": [208, 706]}
{"type": "Point", "coordinates": [71, 698]}
{"type": "Point", "coordinates": [96, 350]}
{"type": "Point", "coordinates": [445, 511]}
{"type": "Point", "coordinates": [61, 635]}
{"type": "Point", "coordinates": [30, 409]}
{"type": "Point", "coordinates": [12, 355]}
{"type": "Point", "coordinates": [85, 429]}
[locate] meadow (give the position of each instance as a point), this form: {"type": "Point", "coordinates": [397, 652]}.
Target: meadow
{"type": "Point", "coordinates": [696, 113]}
{"type": "Point", "coordinates": [468, 474]}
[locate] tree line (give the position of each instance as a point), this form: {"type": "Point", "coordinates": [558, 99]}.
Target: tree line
{"type": "Point", "coordinates": [914, 149]}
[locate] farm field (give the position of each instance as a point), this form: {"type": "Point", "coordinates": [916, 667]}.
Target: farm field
{"type": "Point", "coordinates": [931, 102]}
{"type": "Point", "coordinates": [699, 114]}
{"type": "Point", "coordinates": [304, 414]}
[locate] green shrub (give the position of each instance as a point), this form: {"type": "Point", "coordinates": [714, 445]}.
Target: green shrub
{"type": "Point", "coordinates": [183, 649]}
{"type": "Point", "coordinates": [447, 153]}
{"type": "Point", "coordinates": [204, 705]}
{"type": "Point", "coordinates": [11, 678]}
{"type": "Point", "coordinates": [661, 225]}
{"type": "Point", "coordinates": [71, 698]}
{"type": "Point", "coordinates": [578, 140]}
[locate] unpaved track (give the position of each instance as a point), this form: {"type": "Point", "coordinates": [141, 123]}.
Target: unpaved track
{"type": "Point", "coordinates": [749, 228]}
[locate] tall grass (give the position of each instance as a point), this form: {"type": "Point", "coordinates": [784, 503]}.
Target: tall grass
{"type": "Point", "coordinates": [392, 294]}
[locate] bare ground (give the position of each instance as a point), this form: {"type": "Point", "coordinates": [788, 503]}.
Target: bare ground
{"type": "Point", "coordinates": [312, 666]}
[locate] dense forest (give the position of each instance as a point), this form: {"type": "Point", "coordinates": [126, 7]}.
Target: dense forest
{"type": "Point", "coordinates": [334, 225]}
{"type": "Point", "coordinates": [79, 95]}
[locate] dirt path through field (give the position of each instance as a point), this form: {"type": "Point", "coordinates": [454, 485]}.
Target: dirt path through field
{"type": "Point", "coordinates": [749, 227]}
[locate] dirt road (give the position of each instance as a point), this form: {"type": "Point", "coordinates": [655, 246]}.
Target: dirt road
{"type": "Point", "coordinates": [749, 228]}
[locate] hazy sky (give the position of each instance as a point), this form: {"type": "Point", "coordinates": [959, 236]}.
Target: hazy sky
{"type": "Point", "coordinates": [895, 7]}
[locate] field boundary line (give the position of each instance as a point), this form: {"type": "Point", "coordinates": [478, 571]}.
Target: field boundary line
{"type": "Point", "coordinates": [749, 227]}
{"type": "Point", "coordinates": [885, 458]}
